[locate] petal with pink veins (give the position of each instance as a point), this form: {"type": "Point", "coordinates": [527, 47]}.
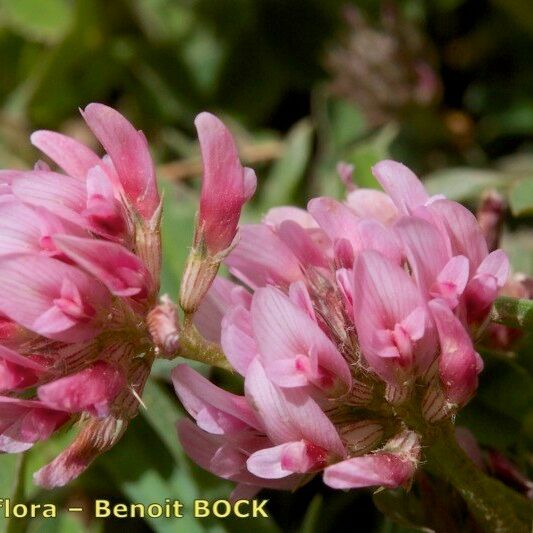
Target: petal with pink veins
{"type": "Point", "coordinates": [286, 459]}
{"type": "Point", "coordinates": [401, 184]}
{"type": "Point", "coordinates": [72, 156]}
{"type": "Point", "coordinates": [92, 389]}
{"type": "Point", "coordinates": [129, 152]}
{"type": "Point", "coordinates": [37, 293]}
{"type": "Point", "coordinates": [290, 414]}
{"type": "Point", "coordinates": [24, 422]}
{"type": "Point", "coordinates": [369, 203]}
{"type": "Point", "coordinates": [103, 209]}
{"type": "Point", "coordinates": [389, 317]}
{"type": "Point", "coordinates": [283, 330]}
{"type": "Point", "coordinates": [459, 364]}
{"type": "Point", "coordinates": [122, 272]}
{"type": "Point", "coordinates": [18, 371]}
{"type": "Point", "coordinates": [463, 231]}
{"type": "Point", "coordinates": [224, 190]}
{"type": "Point", "coordinates": [261, 258]}
{"type": "Point", "coordinates": [276, 215]}
{"type": "Point", "coordinates": [300, 243]}
{"type": "Point", "coordinates": [379, 469]}
{"type": "Point", "coordinates": [237, 338]}
{"type": "Point", "coordinates": [215, 410]}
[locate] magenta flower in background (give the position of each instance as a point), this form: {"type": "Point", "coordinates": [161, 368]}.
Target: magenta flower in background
{"type": "Point", "coordinates": [342, 318]}
{"type": "Point", "coordinates": [79, 271]}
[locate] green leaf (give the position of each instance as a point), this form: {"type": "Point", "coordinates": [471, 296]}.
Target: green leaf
{"type": "Point", "coordinates": [162, 20]}
{"type": "Point", "coordinates": [38, 20]}
{"type": "Point", "coordinates": [144, 470]}
{"type": "Point", "coordinates": [288, 171]}
{"type": "Point", "coordinates": [521, 197]}
{"type": "Point", "coordinates": [518, 245]}
{"type": "Point", "coordinates": [367, 153]}
{"type": "Point", "coordinates": [11, 481]}
{"type": "Point", "coordinates": [513, 312]}
{"type": "Point", "coordinates": [312, 516]}
{"type": "Point", "coordinates": [462, 184]}
{"type": "Point", "coordinates": [346, 123]}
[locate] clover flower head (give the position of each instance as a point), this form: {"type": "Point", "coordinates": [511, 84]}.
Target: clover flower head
{"type": "Point", "coordinates": [351, 324]}
{"type": "Point", "coordinates": [79, 271]}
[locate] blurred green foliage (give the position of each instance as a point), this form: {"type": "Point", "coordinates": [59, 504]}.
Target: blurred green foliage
{"type": "Point", "coordinates": [260, 64]}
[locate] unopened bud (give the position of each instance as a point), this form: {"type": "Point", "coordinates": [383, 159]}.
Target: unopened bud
{"type": "Point", "coordinates": [163, 326]}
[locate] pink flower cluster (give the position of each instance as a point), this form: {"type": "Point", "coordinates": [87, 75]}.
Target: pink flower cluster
{"type": "Point", "coordinates": [79, 270]}
{"type": "Point", "coordinates": [341, 315]}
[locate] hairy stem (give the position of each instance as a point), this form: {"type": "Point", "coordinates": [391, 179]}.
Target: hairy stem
{"type": "Point", "coordinates": [193, 346]}
{"type": "Point", "coordinates": [495, 507]}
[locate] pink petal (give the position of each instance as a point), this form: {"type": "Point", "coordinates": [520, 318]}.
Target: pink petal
{"type": "Point", "coordinates": [339, 222]}
{"type": "Point", "coordinates": [230, 412]}
{"type": "Point", "coordinates": [203, 447]}
{"type": "Point", "coordinates": [299, 295]}
{"type": "Point", "coordinates": [18, 371]}
{"type": "Point", "coordinates": [401, 184]}
{"type": "Point", "coordinates": [222, 295]}
{"type": "Point", "coordinates": [122, 272]}
{"type": "Point", "coordinates": [237, 339]}
{"type": "Point", "coordinates": [129, 152]}
{"type": "Point", "coordinates": [425, 250]}
{"type": "Point", "coordinates": [250, 183]}
{"type": "Point", "coordinates": [283, 330]}
{"type": "Point", "coordinates": [285, 459]}
{"type": "Point", "coordinates": [380, 469]}
{"type": "Point", "coordinates": [455, 272]}
{"type": "Point", "coordinates": [369, 203]}
{"type": "Point", "coordinates": [290, 414]}
{"type": "Point", "coordinates": [496, 264]}
{"type": "Point", "coordinates": [24, 422]}
{"type": "Point", "coordinates": [483, 288]}
{"type": "Point", "coordinates": [19, 229]}
{"type": "Point", "coordinates": [266, 463]}
{"type": "Point", "coordinates": [386, 296]}
{"type": "Point", "coordinates": [93, 390]}
{"type": "Point", "coordinates": [459, 364]}
{"type": "Point", "coordinates": [261, 258]}
{"type": "Point", "coordinates": [276, 215]}
{"type": "Point", "coordinates": [463, 230]}
{"type": "Point", "coordinates": [32, 286]}
{"type": "Point", "coordinates": [103, 209]}
{"type": "Point", "coordinates": [300, 243]}
{"type": "Point", "coordinates": [223, 188]}
{"type": "Point", "coordinates": [62, 195]}
{"type": "Point", "coordinates": [72, 156]}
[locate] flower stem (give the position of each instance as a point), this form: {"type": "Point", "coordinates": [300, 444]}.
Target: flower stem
{"type": "Point", "coordinates": [193, 346]}
{"type": "Point", "coordinates": [495, 507]}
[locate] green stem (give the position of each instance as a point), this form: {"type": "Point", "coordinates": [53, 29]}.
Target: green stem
{"type": "Point", "coordinates": [496, 508]}
{"type": "Point", "coordinates": [193, 346]}
{"type": "Point", "coordinates": [513, 312]}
